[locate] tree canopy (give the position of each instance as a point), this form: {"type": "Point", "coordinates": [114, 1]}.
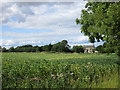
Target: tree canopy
{"type": "Point", "coordinates": [78, 49]}
{"type": "Point", "coordinates": [61, 46]}
{"type": "Point", "coordinates": [58, 47]}
{"type": "Point", "coordinates": [101, 21]}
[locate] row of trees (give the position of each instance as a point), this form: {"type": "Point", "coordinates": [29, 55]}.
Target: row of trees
{"type": "Point", "coordinates": [58, 47]}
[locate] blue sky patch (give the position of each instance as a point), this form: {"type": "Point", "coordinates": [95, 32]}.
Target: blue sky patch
{"type": "Point", "coordinates": [6, 28]}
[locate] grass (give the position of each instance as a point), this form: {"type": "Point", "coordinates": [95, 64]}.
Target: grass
{"type": "Point", "coordinates": [59, 70]}
{"type": "Point", "coordinates": [111, 83]}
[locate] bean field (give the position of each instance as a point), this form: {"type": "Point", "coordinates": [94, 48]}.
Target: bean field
{"type": "Point", "coordinates": [59, 70]}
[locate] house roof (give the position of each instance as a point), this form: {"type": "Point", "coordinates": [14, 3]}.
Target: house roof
{"type": "Point", "coordinates": [88, 46]}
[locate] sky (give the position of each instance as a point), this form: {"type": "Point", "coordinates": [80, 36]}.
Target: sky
{"type": "Point", "coordinates": [41, 23]}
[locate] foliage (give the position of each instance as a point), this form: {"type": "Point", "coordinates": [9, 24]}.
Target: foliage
{"type": "Point", "coordinates": [61, 46]}
{"type": "Point", "coordinates": [100, 49]}
{"type": "Point", "coordinates": [25, 48]}
{"type": "Point", "coordinates": [58, 47]}
{"type": "Point", "coordinates": [12, 49]}
{"type": "Point", "coordinates": [108, 48]}
{"type": "Point", "coordinates": [101, 21]}
{"type": "Point", "coordinates": [4, 49]}
{"type": "Point", "coordinates": [105, 48]}
{"type": "Point", "coordinates": [0, 49]}
{"type": "Point", "coordinates": [47, 47]}
{"type": "Point", "coordinates": [78, 49]}
{"type": "Point", "coordinates": [58, 70]}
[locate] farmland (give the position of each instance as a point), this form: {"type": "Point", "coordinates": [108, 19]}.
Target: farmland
{"type": "Point", "coordinates": [59, 70]}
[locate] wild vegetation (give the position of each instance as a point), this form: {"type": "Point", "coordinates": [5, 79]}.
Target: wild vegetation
{"type": "Point", "coordinates": [59, 70]}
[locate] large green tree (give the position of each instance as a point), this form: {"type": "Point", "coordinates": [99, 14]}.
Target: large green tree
{"type": "Point", "coordinates": [61, 46]}
{"type": "Point", "coordinates": [11, 49]}
{"type": "Point", "coordinates": [47, 48]}
{"type": "Point", "coordinates": [101, 21]}
{"type": "Point", "coordinates": [4, 49]}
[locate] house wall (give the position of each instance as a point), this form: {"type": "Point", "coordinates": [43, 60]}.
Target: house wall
{"type": "Point", "coordinates": [89, 50]}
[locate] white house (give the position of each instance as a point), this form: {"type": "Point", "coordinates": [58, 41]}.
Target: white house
{"type": "Point", "coordinates": [89, 49]}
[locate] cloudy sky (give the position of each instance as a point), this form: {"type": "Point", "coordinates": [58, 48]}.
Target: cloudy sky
{"type": "Point", "coordinates": [40, 23]}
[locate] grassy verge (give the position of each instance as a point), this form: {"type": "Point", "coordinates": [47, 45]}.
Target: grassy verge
{"type": "Point", "coordinates": [111, 83]}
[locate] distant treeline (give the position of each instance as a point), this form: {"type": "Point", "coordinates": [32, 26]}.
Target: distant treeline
{"type": "Point", "coordinates": [58, 47]}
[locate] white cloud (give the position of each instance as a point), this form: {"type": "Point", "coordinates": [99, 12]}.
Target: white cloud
{"type": "Point", "coordinates": [58, 17]}
{"type": "Point", "coordinates": [7, 42]}
{"type": "Point", "coordinates": [80, 39]}
{"type": "Point", "coordinates": [41, 0]}
{"type": "Point", "coordinates": [61, 13]}
{"type": "Point", "coordinates": [83, 44]}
